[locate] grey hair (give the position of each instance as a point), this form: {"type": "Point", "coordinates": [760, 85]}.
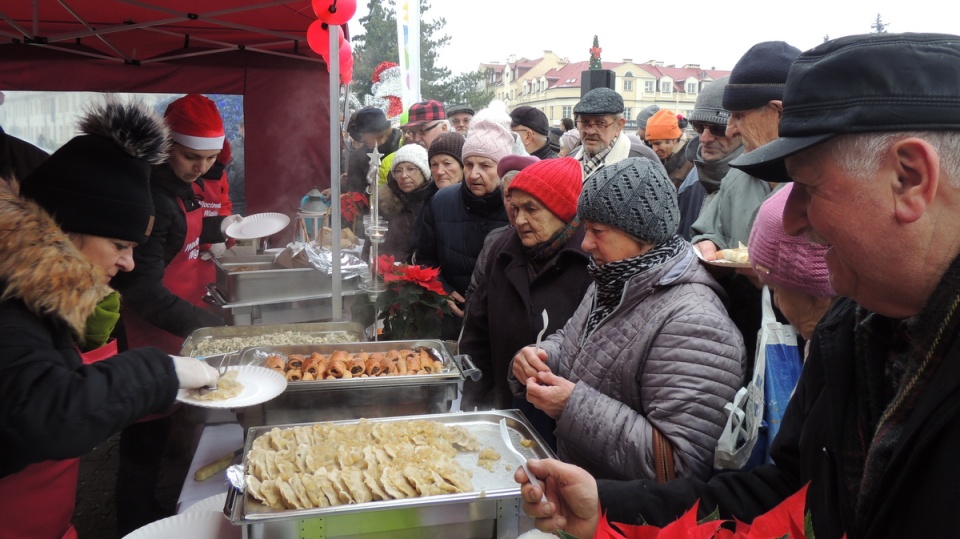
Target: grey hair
{"type": "Point", "coordinates": [860, 155]}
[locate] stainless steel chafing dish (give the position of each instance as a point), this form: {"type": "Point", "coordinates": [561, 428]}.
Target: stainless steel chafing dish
{"type": "Point", "coordinates": [287, 310]}
{"type": "Point", "coordinates": [492, 511]}
{"type": "Point", "coordinates": [247, 279]}
{"type": "Point", "coordinates": [224, 332]}
{"type": "Point", "coordinates": [353, 398]}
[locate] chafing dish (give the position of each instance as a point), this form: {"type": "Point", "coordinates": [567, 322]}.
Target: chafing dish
{"type": "Point", "coordinates": [491, 511]}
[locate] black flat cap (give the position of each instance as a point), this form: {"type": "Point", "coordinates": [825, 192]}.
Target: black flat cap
{"type": "Point", "coordinates": [600, 101]}
{"type": "Point", "coordinates": [531, 118]}
{"type": "Point", "coordinates": [863, 84]}
{"type": "Point", "coordinates": [457, 109]}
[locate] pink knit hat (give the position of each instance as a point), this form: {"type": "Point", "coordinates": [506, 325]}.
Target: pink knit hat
{"type": "Point", "coordinates": [791, 262]}
{"type": "Point", "coordinates": [488, 138]}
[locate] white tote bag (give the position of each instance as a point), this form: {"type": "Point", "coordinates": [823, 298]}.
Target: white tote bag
{"type": "Point", "coordinates": [745, 414]}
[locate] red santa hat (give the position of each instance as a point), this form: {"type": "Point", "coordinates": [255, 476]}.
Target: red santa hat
{"type": "Point", "coordinates": [195, 122]}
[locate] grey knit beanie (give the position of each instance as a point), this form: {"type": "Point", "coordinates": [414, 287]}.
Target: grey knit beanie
{"type": "Point", "coordinates": [645, 115]}
{"type": "Point", "coordinates": [709, 106]}
{"type": "Point", "coordinates": [633, 195]}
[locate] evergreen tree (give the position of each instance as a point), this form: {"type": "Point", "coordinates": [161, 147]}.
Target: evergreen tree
{"type": "Point", "coordinates": [879, 27]}
{"type": "Point", "coordinates": [595, 62]}
{"type": "Point", "coordinates": [378, 44]}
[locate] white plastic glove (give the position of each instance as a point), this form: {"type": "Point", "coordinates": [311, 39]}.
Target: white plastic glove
{"type": "Point", "coordinates": [193, 373]}
{"type": "Point", "coordinates": [217, 249]}
{"type": "Point", "coordinates": [229, 220]}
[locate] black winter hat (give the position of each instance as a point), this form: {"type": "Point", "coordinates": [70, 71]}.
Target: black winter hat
{"type": "Point", "coordinates": [531, 118]}
{"type": "Point", "coordinates": [863, 84]}
{"type": "Point", "coordinates": [98, 183]}
{"type": "Point", "coordinates": [759, 76]}
{"type": "Point", "coordinates": [369, 120]}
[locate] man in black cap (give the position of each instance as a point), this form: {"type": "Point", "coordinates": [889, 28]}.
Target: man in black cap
{"type": "Point", "coordinates": [874, 424]}
{"type": "Point", "coordinates": [599, 119]}
{"type": "Point", "coordinates": [533, 128]}
{"type": "Point", "coordinates": [370, 126]}
{"type": "Point", "coordinates": [459, 117]}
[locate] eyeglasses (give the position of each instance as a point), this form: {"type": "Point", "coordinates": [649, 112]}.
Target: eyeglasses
{"type": "Point", "coordinates": [405, 171]}
{"type": "Point", "coordinates": [716, 130]}
{"type": "Point", "coordinates": [583, 123]}
{"type": "Point", "coordinates": [421, 131]}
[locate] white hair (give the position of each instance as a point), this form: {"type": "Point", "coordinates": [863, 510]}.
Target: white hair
{"type": "Point", "coordinates": [860, 155]}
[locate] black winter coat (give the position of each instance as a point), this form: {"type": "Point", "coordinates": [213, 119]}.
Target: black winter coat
{"type": "Point", "coordinates": [54, 407]}
{"type": "Point", "coordinates": [455, 222]}
{"type": "Point", "coordinates": [142, 289]}
{"type": "Point", "coordinates": [920, 492]}
{"type": "Point", "coordinates": [508, 293]}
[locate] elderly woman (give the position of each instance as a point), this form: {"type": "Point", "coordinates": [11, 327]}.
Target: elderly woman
{"type": "Point", "coordinates": [537, 266]}
{"type": "Point", "coordinates": [638, 377]}
{"type": "Point", "coordinates": [458, 218]}
{"type": "Point", "coordinates": [63, 388]}
{"type": "Point", "coordinates": [407, 189]}
{"type": "Point", "coordinates": [446, 163]}
{"type": "Point", "coordinates": [793, 267]}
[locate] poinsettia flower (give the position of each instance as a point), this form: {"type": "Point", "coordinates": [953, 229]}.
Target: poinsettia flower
{"type": "Point", "coordinates": [784, 519]}
{"type": "Point", "coordinates": [686, 527]}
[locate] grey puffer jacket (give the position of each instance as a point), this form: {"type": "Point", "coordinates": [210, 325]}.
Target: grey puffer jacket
{"type": "Point", "coordinates": [667, 356]}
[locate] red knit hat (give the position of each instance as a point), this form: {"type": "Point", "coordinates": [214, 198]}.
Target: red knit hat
{"type": "Point", "coordinates": [663, 126]}
{"type": "Point", "coordinates": [195, 122]}
{"type": "Point", "coordinates": [556, 183]}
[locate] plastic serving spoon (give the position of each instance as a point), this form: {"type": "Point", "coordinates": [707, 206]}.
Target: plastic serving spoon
{"type": "Point", "coordinates": [505, 434]}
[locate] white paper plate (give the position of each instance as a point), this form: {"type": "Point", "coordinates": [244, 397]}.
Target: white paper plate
{"type": "Point", "coordinates": [259, 225]}
{"type": "Point", "coordinates": [214, 503]}
{"type": "Point", "coordinates": [260, 384]}
{"type": "Point", "coordinates": [197, 525]}
{"type": "Point", "coordinates": [722, 262]}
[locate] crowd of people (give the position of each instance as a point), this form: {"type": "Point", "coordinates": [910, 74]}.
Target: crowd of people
{"type": "Point", "coordinates": [837, 167]}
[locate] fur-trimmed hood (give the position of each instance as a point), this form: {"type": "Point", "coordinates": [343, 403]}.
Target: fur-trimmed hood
{"type": "Point", "coordinates": [42, 267]}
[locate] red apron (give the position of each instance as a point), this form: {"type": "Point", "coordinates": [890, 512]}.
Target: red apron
{"type": "Point", "coordinates": [183, 277]}
{"type": "Point", "coordinates": [210, 194]}
{"type": "Point", "coordinates": [38, 501]}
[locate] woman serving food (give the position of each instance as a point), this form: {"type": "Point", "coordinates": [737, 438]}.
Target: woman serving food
{"type": "Point", "coordinates": [73, 227]}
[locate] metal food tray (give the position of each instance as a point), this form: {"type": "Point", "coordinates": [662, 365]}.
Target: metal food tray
{"type": "Point", "coordinates": [301, 309]}
{"type": "Point", "coordinates": [223, 332]}
{"type": "Point", "coordinates": [491, 510]}
{"type": "Point", "coordinates": [263, 279]}
{"type": "Point", "coordinates": [353, 398]}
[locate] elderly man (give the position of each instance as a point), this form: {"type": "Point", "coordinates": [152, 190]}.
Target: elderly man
{"type": "Point", "coordinates": [874, 425]}
{"type": "Point", "coordinates": [459, 117]}
{"type": "Point", "coordinates": [425, 121]}
{"type": "Point", "coordinates": [711, 152]}
{"type": "Point", "coordinates": [642, 118]}
{"type": "Point", "coordinates": [599, 120]}
{"type": "Point", "coordinates": [753, 96]}
{"type": "Point", "coordinates": [533, 128]}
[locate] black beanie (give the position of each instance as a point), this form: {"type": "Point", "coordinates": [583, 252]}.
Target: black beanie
{"type": "Point", "coordinates": [759, 76]}
{"type": "Point", "coordinates": [98, 183]}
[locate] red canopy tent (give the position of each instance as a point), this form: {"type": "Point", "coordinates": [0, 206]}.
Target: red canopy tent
{"type": "Point", "coordinates": [256, 48]}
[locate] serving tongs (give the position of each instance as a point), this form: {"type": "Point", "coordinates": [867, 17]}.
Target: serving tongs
{"type": "Point", "coordinates": [505, 434]}
{"type": "Point", "coordinates": [224, 362]}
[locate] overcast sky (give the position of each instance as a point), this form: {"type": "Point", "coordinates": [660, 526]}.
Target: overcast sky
{"type": "Point", "coordinates": [713, 34]}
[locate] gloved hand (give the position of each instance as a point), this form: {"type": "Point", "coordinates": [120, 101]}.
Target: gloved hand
{"type": "Point", "coordinates": [229, 220]}
{"type": "Point", "coordinates": [193, 373]}
{"type": "Point", "coordinates": [217, 249]}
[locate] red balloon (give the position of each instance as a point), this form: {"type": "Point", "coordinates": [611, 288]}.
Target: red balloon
{"type": "Point", "coordinates": [343, 10]}
{"type": "Point", "coordinates": [318, 38]}
{"type": "Point", "coordinates": [346, 53]}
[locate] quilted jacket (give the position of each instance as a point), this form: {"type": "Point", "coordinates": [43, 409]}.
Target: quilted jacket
{"type": "Point", "coordinates": [667, 356]}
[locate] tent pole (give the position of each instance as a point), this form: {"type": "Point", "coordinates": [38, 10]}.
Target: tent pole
{"type": "Point", "coordinates": [334, 69]}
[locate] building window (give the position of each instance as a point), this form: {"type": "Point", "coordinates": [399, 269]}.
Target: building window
{"type": "Point", "coordinates": [648, 85]}
{"type": "Point", "coordinates": [666, 87]}
{"type": "Point", "coordinates": [566, 111]}
{"type": "Point", "coordinates": [691, 87]}
{"type": "Point", "coordinates": [627, 85]}
{"type": "Point", "coordinates": [628, 113]}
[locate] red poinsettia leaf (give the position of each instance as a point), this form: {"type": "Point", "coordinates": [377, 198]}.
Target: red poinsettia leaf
{"type": "Point", "coordinates": [435, 287]}
{"type": "Point", "coordinates": [393, 278]}
{"type": "Point", "coordinates": [606, 530]}
{"type": "Point", "coordinates": [782, 519]}
{"type": "Point", "coordinates": [386, 261]}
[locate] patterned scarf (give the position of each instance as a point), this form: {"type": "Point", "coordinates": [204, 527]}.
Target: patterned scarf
{"type": "Point", "coordinates": [590, 164]}
{"type": "Point", "coordinates": [611, 278]}
{"type": "Point", "coordinates": [895, 360]}
{"type": "Point", "coordinates": [541, 253]}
